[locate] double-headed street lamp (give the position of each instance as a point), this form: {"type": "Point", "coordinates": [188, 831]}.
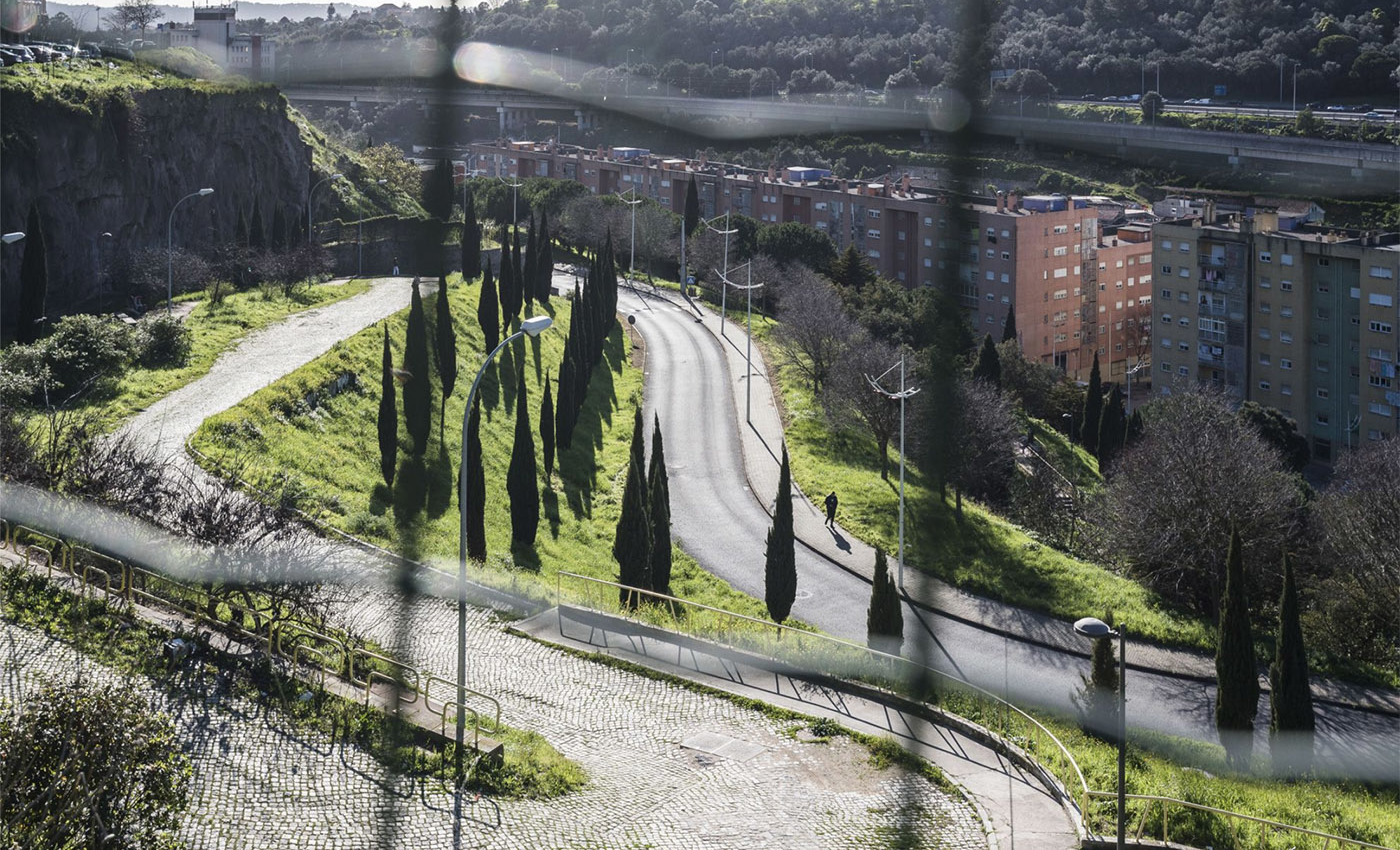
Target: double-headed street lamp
{"type": "Point", "coordinates": [514, 198]}
{"type": "Point", "coordinates": [748, 343]}
{"type": "Point", "coordinates": [309, 198]}
{"type": "Point", "coordinates": [534, 326]}
{"type": "Point", "coordinates": [903, 394]}
{"type": "Point", "coordinates": [632, 256]}
{"type": "Point", "coordinates": [1094, 628]}
{"type": "Point", "coordinates": [170, 247]}
{"type": "Point", "coordinates": [723, 290]}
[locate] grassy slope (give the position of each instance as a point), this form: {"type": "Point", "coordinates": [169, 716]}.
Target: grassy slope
{"type": "Point", "coordinates": [332, 452]}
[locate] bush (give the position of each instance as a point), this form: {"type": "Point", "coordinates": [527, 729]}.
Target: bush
{"type": "Point", "coordinates": [161, 340]}
{"type": "Point", "coordinates": [83, 351]}
{"type": "Point", "coordinates": [90, 765]}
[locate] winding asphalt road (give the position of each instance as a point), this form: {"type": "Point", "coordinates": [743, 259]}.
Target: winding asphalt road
{"type": "Point", "coordinates": [717, 520]}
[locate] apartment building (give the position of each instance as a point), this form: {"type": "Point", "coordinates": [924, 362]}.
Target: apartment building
{"type": "Point", "coordinates": [1043, 256]}
{"type": "Point", "coordinates": [1302, 321]}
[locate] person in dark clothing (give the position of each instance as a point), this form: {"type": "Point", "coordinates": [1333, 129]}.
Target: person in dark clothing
{"type": "Point", "coordinates": [831, 509]}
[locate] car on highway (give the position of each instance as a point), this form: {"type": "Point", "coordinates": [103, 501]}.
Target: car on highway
{"type": "Point", "coordinates": [1374, 116]}
{"type": "Point", "coordinates": [1336, 107]}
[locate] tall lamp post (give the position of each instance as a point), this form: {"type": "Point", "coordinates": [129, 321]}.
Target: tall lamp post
{"type": "Point", "coordinates": [170, 247]}
{"type": "Point", "coordinates": [514, 198]}
{"type": "Point", "coordinates": [1094, 628]}
{"type": "Point", "coordinates": [748, 342]}
{"type": "Point", "coordinates": [632, 246]}
{"type": "Point", "coordinates": [534, 326]}
{"type": "Point", "coordinates": [360, 241]}
{"type": "Point", "coordinates": [12, 238]}
{"type": "Point", "coordinates": [309, 198]}
{"type": "Point", "coordinates": [903, 394]}
{"type": "Point", "coordinates": [723, 290]}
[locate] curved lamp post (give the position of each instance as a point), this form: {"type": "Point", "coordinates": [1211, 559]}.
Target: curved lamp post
{"type": "Point", "coordinates": [1094, 628]}
{"type": "Point", "coordinates": [311, 195]}
{"type": "Point", "coordinates": [514, 198]}
{"type": "Point", "coordinates": [170, 246]}
{"type": "Point", "coordinates": [901, 395]}
{"type": "Point", "coordinates": [723, 290]}
{"type": "Point", "coordinates": [534, 326]}
{"type": "Point", "coordinates": [632, 257]}
{"type": "Point", "coordinates": [748, 343]}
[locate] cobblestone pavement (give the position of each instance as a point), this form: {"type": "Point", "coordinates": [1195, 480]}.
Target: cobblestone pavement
{"type": "Point", "coordinates": [260, 782]}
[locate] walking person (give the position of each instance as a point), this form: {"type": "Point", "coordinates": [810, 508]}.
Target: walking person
{"type": "Point", "coordinates": [396, 267]}
{"type": "Point", "coordinates": [831, 509]}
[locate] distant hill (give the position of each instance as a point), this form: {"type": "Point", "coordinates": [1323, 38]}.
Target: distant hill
{"type": "Point", "coordinates": [246, 11]}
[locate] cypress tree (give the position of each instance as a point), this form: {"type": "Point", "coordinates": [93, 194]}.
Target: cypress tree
{"type": "Point", "coordinates": [1008, 330]}
{"type": "Point", "coordinates": [1093, 409]}
{"type": "Point", "coordinates": [884, 620]}
{"type": "Point", "coordinates": [240, 230]}
{"type": "Point", "coordinates": [33, 280]}
{"type": "Point", "coordinates": [1134, 430]}
{"type": "Point", "coordinates": [471, 239]}
{"type": "Point", "coordinates": [257, 235]}
{"type": "Point", "coordinates": [692, 208]}
{"type": "Point", "coordinates": [509, 289]}
{"type": "Point", "coordinates": [658, 486]}
{"type": "Point", "coordinates": [279, 229]}
{"type": "Point", "coordinates": [563, 411]}
{"type": "Point", "coordinates": [446, 339]}
{"type": "Point", "coordinates": [476, 487]}
{"type": "Point", "coordinates": [486, 311]}
{"type": "Point", "coordinates": [546, 260]}
{"type": "Point", "coordinates": [388, 417]}
{"type": "Point", "coordinates": [522, 482]}
{"type": "Point", "coordinates": [418, 389]}
{"type": "Point", "coordinates": [529, 276]}
{"type": "Point", "coordinates": [632, 543]}
{"type": "Point", "coordinates": [779, 559]}
{"type": "Point", "coordinates": [1099, 699]}
{"type": "Point", "coordinates": [547, 430]}
{"type": "Point", "coordinates": [1113, 428]}
{"type": "Point", "coordinates": [517, 279]}
{"type": "Point", "coordinates": [1237, 680]}
{"type": "Point", "coordinates": [988, 365]}
{"type": "Point", "coordinates": [1291, 720]}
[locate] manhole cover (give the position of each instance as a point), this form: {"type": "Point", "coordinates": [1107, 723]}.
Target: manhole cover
{"type": "Point", "coordinates": [722, 745]}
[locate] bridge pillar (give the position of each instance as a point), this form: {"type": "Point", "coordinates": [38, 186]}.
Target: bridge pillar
{"type": "Point", "coordinates": [501, 115]}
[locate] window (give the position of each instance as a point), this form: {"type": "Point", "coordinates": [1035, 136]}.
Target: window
{"type": "Point", "coordinates": [1377, 299]}
{"type": "Point", "coordinates": [1264, 333]}
{"type": "Point", "coordinates": [1061, 251]}
{"type": "Point", "coordinates": [1006, 233]}
{"type": "Point", "coordinates": [1379, 381]}
{"type": "Point", "coordinates": [1285, 363]}
{"type": "Point", "coordinates": [1181, 370]}
{"type": "Point", "coordinates": [1285, 259]}
{"type": "Point", "coordinates": [1324, 287]}
{"type": "Point", "coordinates": [1264, 385]}
{"type": "Point", "coordinates": [1061, 228]}
{"type": "Point", "coordinates": [1324, 366]}
{"type": "Point", "coordinates": [991, 254]}
{"type": "Point", "coordinates": [1184, 346]}
{"type": "Point", "coordinates": [1185, 248]}
{"type": "Point", "coordinates": [1005, 278]}
{"type": "Point", "coordinates": [1380, 409]}
{"type": "Point", "coordinates": [873, 233]}
{"type": "Point", "coordinates": [872, 213]}
{"type": "Point", "coordinates": [1061, 272]}
{"type": "Point", "coordinates": [1264, 307]}
{"type": "Point", "coordinates": [991, 296]}
{"type": "Point", "coordinates": [928, 242]}
{"type": "Point", "coordinates": [1183, 295]}
{"type": "Point", "coordinates": [1185, 322]}
{"type": "Point", "coordinates": [1166, 367]}
{"type": "Point", "coordinates": [1006, 255]}
{"type": "Point", "coordinates": [1265, 283]}
{"type": "Point", "coordinates": [1382, 272]}
{"type": "Point", "coordinates": [1185, 272]}
{"type": "Point", "coordinates": [1285, 389]}
{"type": "Point", "coordinates": [1265, 257]}
{"type": "Point", "coordinates": [1167, 294]}
{"type": "Point", "coordinates": [1322, 419]}
{"type": "Point", "coordinates": [1264, 360]}
{"type": "Point", "coordinates": [1166, 342]}
{"type": "Point", "coordinates": [991, 275]}
{"type": "Point", "coordinates": [1166, 269]}
{"type": "Point", "coordinates": [1323, 392]}
{"type": "Point", "coordinates": [928, 263]}
{"type": "Point", "coordinates": [1285, 337]}
{"type": "Point", "coordinates": [1166, 244]}
{"type": "Point", "coordinates": [1166, 318]}
{"type": "Point", "coordinates": [875, 254]}
{"type": "Point", "coordinates": [1286, 285]}
{"type": "Point", "coordinates": [1061, 293]}
{"type": "Point", "coordinates": [1381, 327]}
{"type": "Point", "coordinates": [1372, 434]}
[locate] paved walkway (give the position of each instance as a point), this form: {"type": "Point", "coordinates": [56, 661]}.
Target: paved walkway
{"type": "Point", "coordinates": [762, 439]}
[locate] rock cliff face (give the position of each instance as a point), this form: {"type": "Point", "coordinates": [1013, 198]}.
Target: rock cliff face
{"type": "Point", "coordinates": [120, 164]}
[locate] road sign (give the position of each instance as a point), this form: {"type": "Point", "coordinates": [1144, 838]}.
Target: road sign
{"type": "Point", "coordinates": [690, 279]}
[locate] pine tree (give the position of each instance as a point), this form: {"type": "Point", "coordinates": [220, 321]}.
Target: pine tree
{"type": "Point", "coordinates": [522, 480]}
{"type": "Point", "coordinates": [1093, 409]}
{"type": "Point", "coordinates": [418, 388]}
{"type": "Point", "coordinates": [1113, 428]}
{"type": "Point", "coordinates": [240, 230]}
{"type": "Point", "coordinates": [884, 620]}
{"type": "Point", "coordinates": [779, 559]}
{"type": "Point", "coordinates": [659, 487]}
{"type": "Point", "coordinates": [257, 233]}
{"type": "Point", "coordinates": [852, 271]}
{"type": "Point", "coordinates": [1237, 680]}
{"type": "Point", "coordinates": [988, 365]}
{"type": "Point", "coordinates": [446, 339]}
{"type": "Point", "coordinates": [632, 543]}
{"type": "Point", "coordinates": [475, 507]}
{"type": "Point", "coordinates": [1134, 431]}
{"type": "Point", "coordinates": [471, 239]}
{"type": "Point", "coordinates": [1291, 720]}
{"type": "Point", "coordinates": [33, 280]}
{"type": "Point", "coordinates": [547, 430]}
{"type": "Point", "coordinates": [487, 308]}
{"type": "Point", "coordinates": [388, 417]}
{"type": "Point", "coordinates": [692, 208]}
{"type": "Point", "coordinates": [1008, 330]}
{"type": "Point", "coordinates": [546, 260]}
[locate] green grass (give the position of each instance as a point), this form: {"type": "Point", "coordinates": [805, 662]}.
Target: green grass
{"type": "Point", "coordinates": [214, 328]}
{"type": "Point", "coordinates": [984, 554]}
{"type": "Point", "coordinates": [330, 456]}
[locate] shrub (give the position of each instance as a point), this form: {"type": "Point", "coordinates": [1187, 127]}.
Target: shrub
{"type": "Point", "coordinates": [83, 351]}
{"type": "Point", "coordinates": [161, 340]}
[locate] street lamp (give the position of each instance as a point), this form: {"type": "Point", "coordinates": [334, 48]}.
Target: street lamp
{"type": "Point", "coordinates": [312, 194]}
{"type": "Point", "coordinates": [902, 394]}
{"type": "Point", "coordinates": [712, 57]}
{"type": "Point", "coordinates": [748, 343]}
{"type": "Point", "coordinates": [632, 256]}
{"type": "Point", "coordinates": [627, 76]}
{"type": "Point", "coordinates": [360, 240]}
{"type": "Point", "coordinates": [12, 238]}
{"type": "Point", "coordinates": [1295, 85]}
{"type": "Point", "coordinates": [1094, 628]}
{"type": "Point", "coordinates": [723, 290]}
{"type": "Point", "coordinates": [170, 247]}
{"type": "Point", "coordinates": [534, 326]}
{"type": "Point", "coordinates": [514, 197]}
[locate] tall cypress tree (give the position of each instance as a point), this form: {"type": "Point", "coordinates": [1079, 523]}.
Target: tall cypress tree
{"type": "Point", "coordinates": [388, 417]}
{"type": "Point", "coordinates": [1134, 430]}
{"type": "Point", "coordinates": [632, 542]}
{"type": "Point", "coordinates": [659, 487]}
{"type": "Point", "coordinates": [33, 280]}
{"type": "Point", "coordinates": [487, 308]}
{"type": "Point", "coordinates": [1113, 428]}
{"type": "Point", "coordinates": [530, 272]}
{"type": "Point", "coordinates": [517, 279]}
{"type": "Point", "coordinates": [1237, 680]}
{"type": "Point", "coordinates": [547, 430]}
{"type": "Point", "coordinates": [522, 482]}
{"type": "Point", "coordinates": [418, 389]}
{"type": "Point", "coordinates": [446, 340]}
{"type": "Point", "coordinates": [1291, 719]}
{"type": "Point", "coordinates": [240, 230]}
{"type": "Point", "coordinates": [692, 208]}
{"type": "Point", "coordinates": [508, 286]}
{"type": "Point", "coordinates": [471, 239]}
{"type": "Point", "coordinates": [545, 264]}
{"type": "Point", "coordinates": [1008, 330]}
{"type": "Point", "coordinates": [476, 487]}
{"type": "Point", "coordinates": [564, 410]}
{"type": "Point", "coordinates": [1093, 409]}
{"type": "Point", "coordinates": [278, 237]}
{"type": "Point", "coordinates": [257, 233]}
{"type": "Point", "coordinates": [988, 365]}
{"type": "Point", "coordinates": [779, 558]}
{"type": "Point", "coordinates": [884, 619]}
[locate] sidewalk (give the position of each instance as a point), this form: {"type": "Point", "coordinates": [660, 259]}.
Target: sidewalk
{"type": "Point", "coordinates": [762, 440]}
